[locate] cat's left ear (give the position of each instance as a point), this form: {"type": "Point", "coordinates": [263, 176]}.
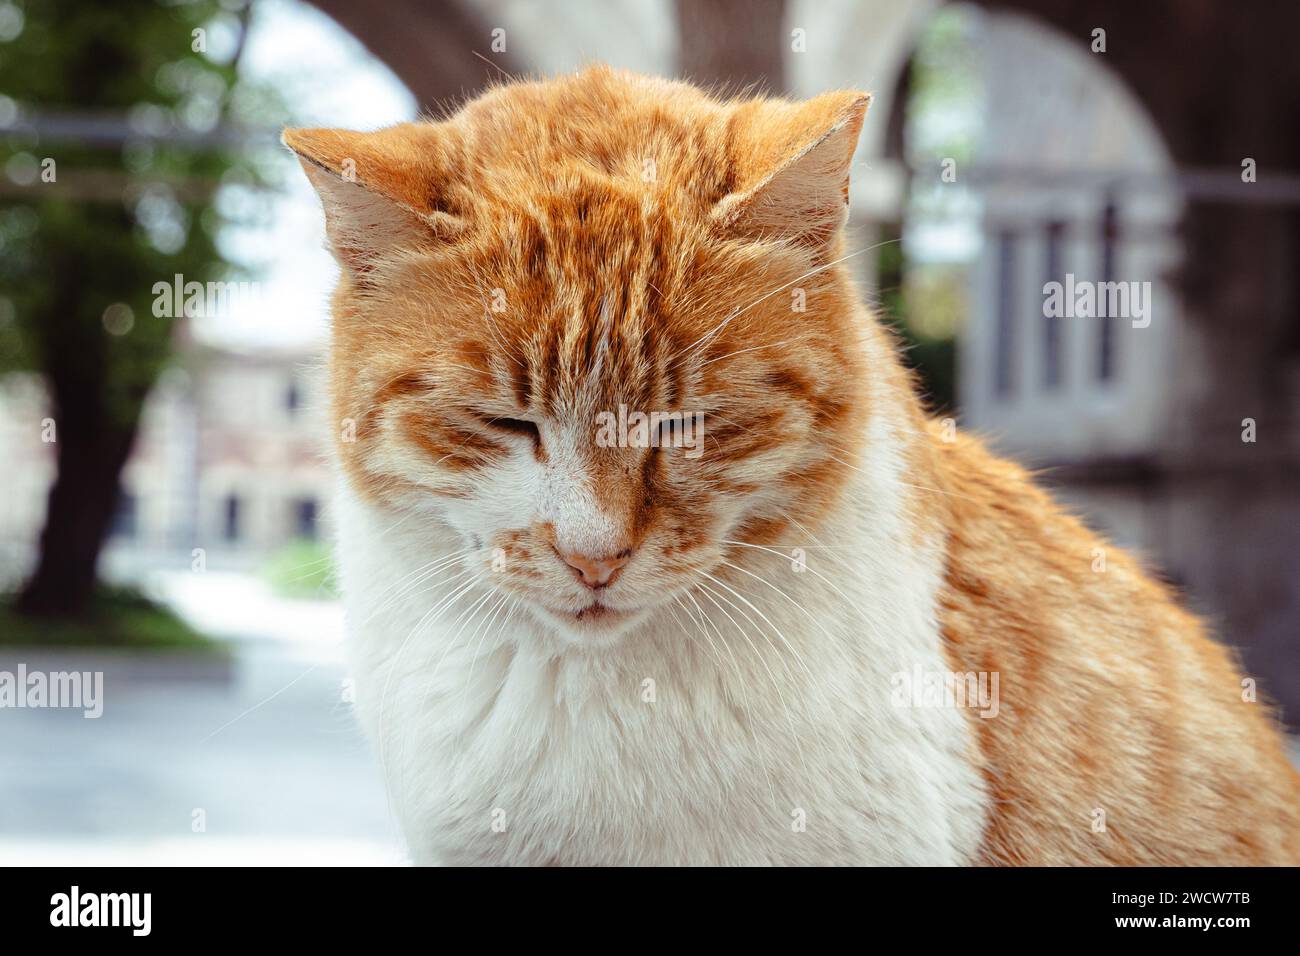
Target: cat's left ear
{"type": "Point", "coordinates": [792, 162]}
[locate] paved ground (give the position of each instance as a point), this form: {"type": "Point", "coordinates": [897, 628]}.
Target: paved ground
{"type": "Point", "coordinates": [265, 748]}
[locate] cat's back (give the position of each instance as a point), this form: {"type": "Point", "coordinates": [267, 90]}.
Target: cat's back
{"type": "Point", "coordinates": [1124, 734]}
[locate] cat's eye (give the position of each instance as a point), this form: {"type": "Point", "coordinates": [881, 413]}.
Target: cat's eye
{"type": "Point", "coordinates": [518, 426]}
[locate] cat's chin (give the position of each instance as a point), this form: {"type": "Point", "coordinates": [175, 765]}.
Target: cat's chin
{"type": "Point", "coordinates": [595, 625]}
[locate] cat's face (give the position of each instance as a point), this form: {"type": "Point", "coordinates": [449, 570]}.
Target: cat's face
{"type": "Point", "coordinates": [599, 378]}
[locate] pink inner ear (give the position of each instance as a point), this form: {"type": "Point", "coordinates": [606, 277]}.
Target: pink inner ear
{"type": "Point", "coordinates": [364, 226]}
{"type": "Point", "coordinates": [806, 197]}
{"type": "Point", "coordinates": [380, 191]}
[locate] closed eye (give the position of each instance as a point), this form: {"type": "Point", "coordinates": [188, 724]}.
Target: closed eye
{"type": "Point", "coordinates": [518, 426]}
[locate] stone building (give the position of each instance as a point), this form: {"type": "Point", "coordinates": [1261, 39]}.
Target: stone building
{"type": "Point", "coordinates": [229, 459]}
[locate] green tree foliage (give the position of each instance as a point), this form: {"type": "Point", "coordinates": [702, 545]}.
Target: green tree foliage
{"type": "Point", "coordinates": [92, 217]}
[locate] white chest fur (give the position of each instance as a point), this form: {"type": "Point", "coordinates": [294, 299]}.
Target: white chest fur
{"type": "Point", "coordinates": [712, 734]}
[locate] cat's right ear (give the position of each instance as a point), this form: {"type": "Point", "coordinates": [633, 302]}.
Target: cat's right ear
{"type": "Point", "coordinates": [381, 191]}
{"type": "Point", "coordinates": [792, 162]}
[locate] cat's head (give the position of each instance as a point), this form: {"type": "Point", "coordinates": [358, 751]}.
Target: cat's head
{"type": "Point", "coordinates": [596, 326]}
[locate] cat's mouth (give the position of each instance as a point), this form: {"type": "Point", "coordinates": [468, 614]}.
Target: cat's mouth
{"type": "Point", "coordinates": [592, 618]}
{"type": "Point", "coordinates": [597, 613]}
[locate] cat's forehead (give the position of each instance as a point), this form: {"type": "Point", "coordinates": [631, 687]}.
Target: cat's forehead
{"type": "Point", "coordinates": [589, 299]}
{"type": "Point", "coordinates": [600, 351]}
{"type": "Point", "coordinates": [637, 132]}
{"type": "Point", "coordinates": [596, 273]}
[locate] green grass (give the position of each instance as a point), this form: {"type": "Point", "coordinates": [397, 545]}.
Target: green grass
{"type": "Point", "coordinates": [302, 569]}
{"type": "Point", "coordinates": [118, 618]}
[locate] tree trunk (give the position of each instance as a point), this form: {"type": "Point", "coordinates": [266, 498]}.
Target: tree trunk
{"type": "Point", "coordinates": [95, 421]}
{"type": "Point", "coordinates": [82, 502]}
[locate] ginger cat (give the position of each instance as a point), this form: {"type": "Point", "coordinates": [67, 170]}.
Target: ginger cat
{"type": "Point", "coordinates": [644, 564]}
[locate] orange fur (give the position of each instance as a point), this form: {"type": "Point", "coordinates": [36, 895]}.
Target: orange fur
{"type": "Point", "coordinates": [609, 208]}
{"type": "Point", "coordinates": [574, 211]}
{"type": "Point", "coordinates": [1114, 699]}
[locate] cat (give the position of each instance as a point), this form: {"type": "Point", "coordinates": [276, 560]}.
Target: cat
{"type": "Point", "coordinates": [582, 646]}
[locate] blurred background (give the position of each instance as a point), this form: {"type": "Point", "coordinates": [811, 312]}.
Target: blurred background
{"type": "Point", "coordinates": [163, 315]}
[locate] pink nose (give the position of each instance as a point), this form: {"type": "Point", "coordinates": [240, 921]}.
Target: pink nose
{"type": "Point", "coordinates": [595, 572]}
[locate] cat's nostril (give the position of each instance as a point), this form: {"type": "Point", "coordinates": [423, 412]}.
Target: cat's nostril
{"type": "Point", "coordinates": [595, 572]}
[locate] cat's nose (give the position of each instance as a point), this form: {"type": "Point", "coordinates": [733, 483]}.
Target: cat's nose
{"type": "Point", "coordinates": [595, 572]}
